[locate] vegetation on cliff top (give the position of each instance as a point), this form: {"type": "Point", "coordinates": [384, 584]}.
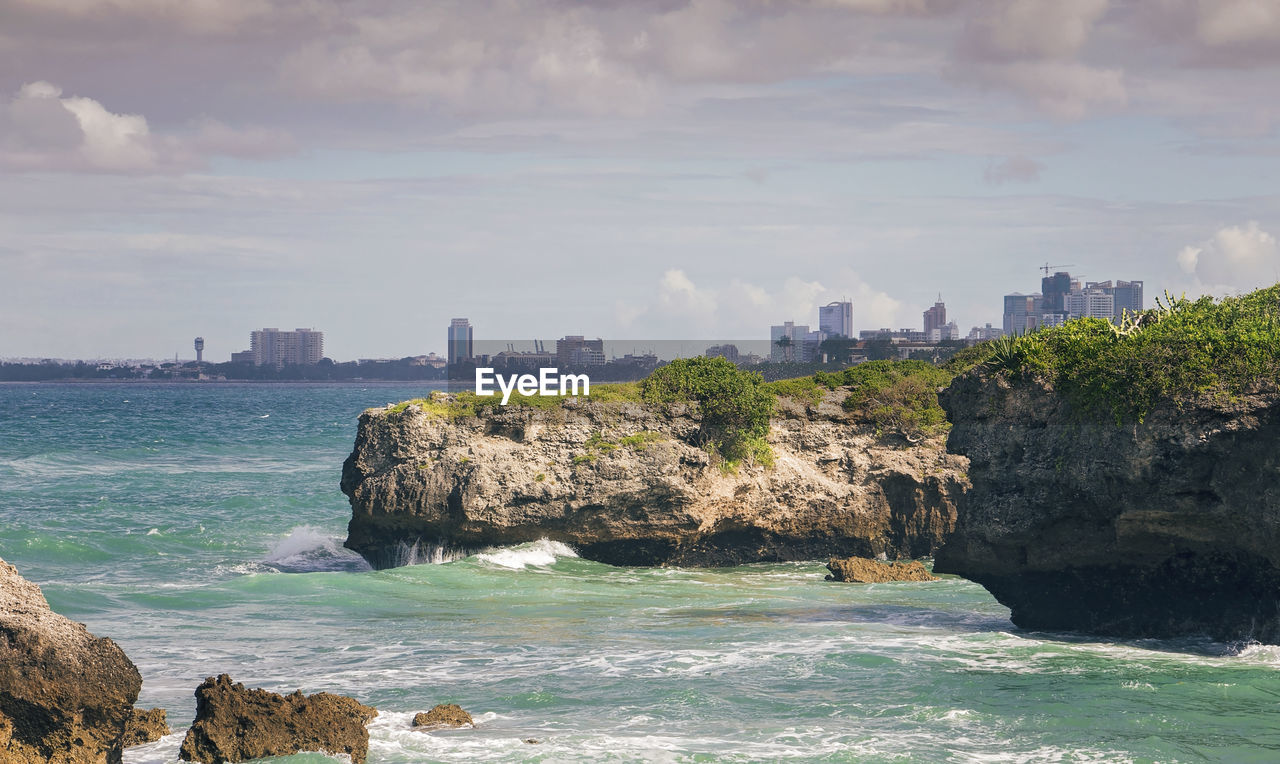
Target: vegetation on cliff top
{"type": "Point", "coordinates": [735, 405]}
{"type": "Point", "coordinates": [1178, 350]}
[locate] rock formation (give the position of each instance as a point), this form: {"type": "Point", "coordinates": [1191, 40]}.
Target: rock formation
{"type": "Point", "coordinates": [236, 724]}
{"type": "Point", "coordinates": [443, 715]}
{"type": "Point", "coordinates": [860, 570]}
{"type": "Point", "coordinates": [65, 694]}
{"type": "Point", "coordinates": [1163, 528]}
{"type": "Point", "coordinates": [624, 484]}
{"type": "Point", "coordinates": [145, 727]}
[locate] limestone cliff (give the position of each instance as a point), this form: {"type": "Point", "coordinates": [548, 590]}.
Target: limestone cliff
{"type": "Point", "coordinates": [624, 483]}
{"type": "Point", "coordinates": [65, 695]}
{"type": "Point", "coordinates": [1163, 528]}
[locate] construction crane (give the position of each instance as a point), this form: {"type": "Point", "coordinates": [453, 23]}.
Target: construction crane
{"type": "Point", "coordinates": [1046, 267]}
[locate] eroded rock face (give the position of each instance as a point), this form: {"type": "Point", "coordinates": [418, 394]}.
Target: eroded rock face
{"type": "Point", "coordinates": [145, 727]}
{"type": "Point", "coordinates": [443, 715]}
{"type": "Point", "coordinates": [65, 694]}
{"type": "Point", "coordinates": [624, 484]}
{"type": "Point", "coordinates": [236, 724]}
{"type": "Point", "coordinates": [859, 570]}
{"type": "Point", "coordinates": [1165, 528]}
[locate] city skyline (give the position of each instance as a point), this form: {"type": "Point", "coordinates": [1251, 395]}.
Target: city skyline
{"type": "Point", "coordinates": [697, 168]}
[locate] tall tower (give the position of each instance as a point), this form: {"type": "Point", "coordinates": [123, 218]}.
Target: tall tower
{"type": "Point", "coordinates": [199, 349]}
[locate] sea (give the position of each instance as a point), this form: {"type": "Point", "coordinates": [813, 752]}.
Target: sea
{"type": "Point", "coordinates": [200, 526]}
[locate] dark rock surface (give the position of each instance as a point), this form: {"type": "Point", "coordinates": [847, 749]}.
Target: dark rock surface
{"type": "Point", "coordinates": [65, 694]}
{"type": "Point", "coordinates": [1165, 528]}
{"type": "Point", "coordinates": [236, 724]}
{"type": "Point", "coordinates": [145, 727]}
{"type": "Point", "coordinates": [569, 474]}
{"type": "Point", "coordinates": [443, 715]}
{"type": "Point", "coordinates": [860, 570]}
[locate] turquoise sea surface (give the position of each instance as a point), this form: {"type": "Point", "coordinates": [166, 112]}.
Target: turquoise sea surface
{"type": "Point", "coordinates": [200, 526]}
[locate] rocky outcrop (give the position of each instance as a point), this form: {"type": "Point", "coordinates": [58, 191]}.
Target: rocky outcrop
{"type": "Point", "coordinates": [236, 724]}
{"type": "Point", "coordinates": [625, 484]}
{"type": "Point", "coordinates": [859, 570]}
{"type": "Point", "coordinates": [145, 727]}
{"type": "Point", "coordinates": [443, 715]}
{"type": "Point", "coordinates": [65, 694]}
{"type": "Point", "coordinates": [1163, 528]}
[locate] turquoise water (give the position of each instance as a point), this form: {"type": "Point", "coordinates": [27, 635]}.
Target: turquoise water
{"type": "Point", "coordinates": [200, 527]}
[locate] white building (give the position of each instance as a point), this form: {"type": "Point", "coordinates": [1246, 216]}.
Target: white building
{"type": "Point", "coordinates": [836, 319]}
{"type": "Point", "coordinates": [300, 347]}
{"type": "Point", "coordinates": [790, 350]}
{"type": "Point", "coordinates": [1091, 303]}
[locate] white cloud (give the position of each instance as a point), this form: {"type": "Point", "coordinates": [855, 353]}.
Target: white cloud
{"type": "Point", "coordinates": [738, 308]}
{"type": "Point", "coordinates": [1236, 258]}
{"type": "Point", "coordinates": [42, 130]}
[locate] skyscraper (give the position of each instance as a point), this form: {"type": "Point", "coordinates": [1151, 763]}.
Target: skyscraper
{"type": "Point", "coordinates": [935, 317]}
{"type": "Point", "coordinates": [199, 349]}
{"type": "Point", "coordinates": [836, 319]}
{"type": "Point", "coordinates": [1055, 289]}
{"type": "Point", "coordinates": [1022, 312]}
{"type": "Point", "coordinates": [459, 342]}
{"type": "Point", "coordinates": [1128, 296]}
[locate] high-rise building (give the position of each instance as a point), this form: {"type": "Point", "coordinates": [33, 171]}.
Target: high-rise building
{"type": "Point", "coordinates": [199, 349]}
{"type": "Point", "coordinates": [1128, 296]}
{"type": "Point", "coordinates": [728, 352]}
{"type": "Point", "coordinates": [935, 317]}
{"type": "Point", "coordinates": [300, 347]}
{"type": "Point", "coordinates": [1055, 289]}
{"type": "Point", "coordinates": [1022, 312]}
{"type": "Point", "coordinates": [576, 351]}
{"type": "Point", "coordinates": [792, 347]}
{"type": "Point", "coordinates": [459, 341]}
{"type": "Point", "coordinates": [1093, 302]}
{"type": "Point", "coordinates": [836, 319]}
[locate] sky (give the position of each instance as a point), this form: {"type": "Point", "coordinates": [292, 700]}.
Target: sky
{"type": "Point", "coordinates": [661, 169]}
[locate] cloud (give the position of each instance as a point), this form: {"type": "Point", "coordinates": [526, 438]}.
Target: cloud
{"type": "Point", "coordinates": [1031, 47]}
{"type": "Point", "coordinates": [1236, 258]}
{"type": "Point", "coordinates": [41, 130]}
{"type": "Point", "coordinates": [1015, 169]}
{"type": "Point", "coordinates": [739, 308]}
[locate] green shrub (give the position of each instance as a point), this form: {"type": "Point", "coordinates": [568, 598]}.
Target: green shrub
{"type": "Point", "coordinates": [1176, 351]}
{"type": "Point", "coordinates": [897, 395]}
{"type": "Point", "coordinates": [735, 404]}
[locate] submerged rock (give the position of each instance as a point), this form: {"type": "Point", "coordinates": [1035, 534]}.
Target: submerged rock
{"type": "Point", "coordinates": [1164, 528]}
{"type": "Point", "coordinates": [625, 484]}
{"type": "Point", "coordinates": [145, 727]}
{"type": "Point", "coordinates": [860, 570]}
{"type": "Point", "coordinates": [236, 724]}
{"type": "Point", "coordinates": [443, 715]}
{"type": "Point", "coordinates": [65, 694]}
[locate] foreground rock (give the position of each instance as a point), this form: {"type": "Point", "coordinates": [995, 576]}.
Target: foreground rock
{"type": "Point", "coordinates": [443, 715]}
{"type": "Point", "coordinates": [145, 727]}
{"type": "Point", "coordinates": [236, 724]}
{"type": "Point", "coordinates": [65, 694]}
{"type": "Point", "coordinates": [623, 484]}
{"type": "Point", "coordinates": [860, 570]}
{"type": "Point", "coordinates": [1164, 528]}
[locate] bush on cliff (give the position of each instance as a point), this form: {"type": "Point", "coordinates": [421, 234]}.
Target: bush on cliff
{"type": "Point", "coordinates": [735, 405]}
{"type": "Point", "coordinates": [1178, 350]}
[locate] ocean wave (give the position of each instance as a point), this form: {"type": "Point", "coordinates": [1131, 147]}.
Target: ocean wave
{"type": "Point", "coordinates": [540, 554]}
{"type": "Point", "coordinates": [309, 550]}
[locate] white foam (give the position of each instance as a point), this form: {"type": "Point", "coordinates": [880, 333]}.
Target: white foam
{"type": "Point", "coordinates": [540, 553]}
{"type": "Point", "coordinates": [308, 549]}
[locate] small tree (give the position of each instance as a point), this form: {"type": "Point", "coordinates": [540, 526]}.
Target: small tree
{"type": "Point", "coordinates": [735, 406]}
